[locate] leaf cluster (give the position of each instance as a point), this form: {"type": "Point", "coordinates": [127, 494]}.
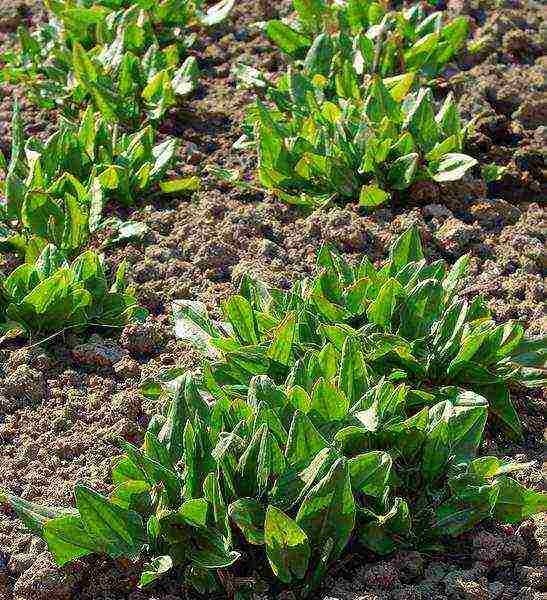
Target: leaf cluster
{"type": "Point", "coordinates": [405, 316]}
{"type": "Point", "coordinates": [122, 62]}
{"type": "Point", "coordinates": [365, 36]}
{"type": "Point", "coordinates": [124, 57]}
{"type": "Point", "coordinates": [344, 411]}
{"type": "Point", "coordinates": [55, 191]}
{"type": "Point", "coordinates": [350, 118]}
{"type": "Point", "coordinates": [125, 87]}
{"type": "Point", "coordinates": [52, 295]}
{"type": "Point", "coordinates": [312, 150]}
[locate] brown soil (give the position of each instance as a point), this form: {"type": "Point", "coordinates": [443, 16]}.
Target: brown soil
{"type": "Point", "coordinates": [61, 405]}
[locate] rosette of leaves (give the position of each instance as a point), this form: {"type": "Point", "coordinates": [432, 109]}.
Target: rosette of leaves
{"type": "Point", "coordinates": [341, 67]}
{"type": "Point", "coordinates": [287, 475]}
{"type": "Point", "coordinates": [51, 295]}
{"type": "Point", "coordinates": [375, 39]}
{"type": "Point", "coordinates": [125, 87]}
{"type": "Point", "coordinates": [405, 317]}
{"type": "Point", "coordinates": [373, 150]}
{"type": "Point", "coordinates": [128, 58]}
{"type": "Point", "coordinates": [55, 191]}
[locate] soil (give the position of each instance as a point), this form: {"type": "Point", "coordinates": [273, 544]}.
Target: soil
{"type": "Point", "coordinates": [62, 403]}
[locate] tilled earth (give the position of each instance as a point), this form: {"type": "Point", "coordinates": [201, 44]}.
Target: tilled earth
{"type": "Point", "coordinates": [61, 404]}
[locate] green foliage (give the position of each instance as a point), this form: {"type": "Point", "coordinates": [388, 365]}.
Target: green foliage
{"type": "Point", "coordinates": [404, 322]}
{"type": "Point", "coordinates": [368, 38]}
{"type": "Point", "coordinates": [124, 57]}
{"type": "Point", "coordinates": [492, 172]}
{"type": "Point", "coordinates": [348, 409]}
{"type": "Point", "coordinates": [373, 149]}
{"type": "Point", "coordinates": [50, 295]}
{"type": "Point", "coordinates": [349, 119]}
{"type": "Point", "coordinates": [55, 191]}
{"type": "Point", "coordinates": [123, 86]}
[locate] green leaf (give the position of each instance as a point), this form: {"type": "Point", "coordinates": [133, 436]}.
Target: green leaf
{"type": "Point", "coordinates": [441, 149]}
{"type": "Point", "coordinates": [42, 215]}
{"type": "Point", "coordinates": [183, 184]}
{"type": "Point", "coordinates": [466, 424]}
{"type": "Point", "coordinates": [437, 445]}
{"type": "Point", "coordinates": [454, 518]}
{"type": "Point", "coordinates": [213, 494]}
{"type": "Point", "coordinates": [86, 16]}
{"type": "Point", "coordinates": [283, 339]}
{"type": "Point", "coordinates": [531, 353]}
{"type": "Point", "coordinates": [383, 533]}
{"type": "Point", "coordinates": [117, 532]}
{"type": "Point", "coordinates": [197, 457]}
{"type": "Point", "coordinates": [407, 248]}
{"type": "Point", "coordinates": [516, 502]}
{"type": "Point", "coordinates": [420, 121]}
{"type": "Point", "coordinates": [448, 118]}
{"type": "Point", "coordinates": [421, 310]}
{"type": "Point", "coordinates": [328, 360]}
{"type": "Point", "coordinates": [299, 399]}
{"type": "Point", "coordinates": [214, 551]}
{"type": "Point", "coordinates": [76, 229]}
{"type": "Point", "coordinates": [456, 274]}
{"type": "Point", "coordinates": [493, 172]}
{"type": "Point", "coordinates": [34, 516]}
{"type": "Point", "coordinates": [381, 310]}
{"type": "Point", "coordinates": [380, 103]}
{"type": "Point", "coordinates": [401, 172]}
{"type": "Point", "coordinates": [310, 12]}
{"type": "Point", "coordinates": [154, 472]}
{"type": "Point", "coordinates": [420, 52]}
{"type": "Point", "coordinates": [249, 515]}
{"type": "Point", "coordinates": [372, 195]}
{"type": "Point", "coordinates": [51, 304]}
{"type": "Point", "coordinates": [170, 435]}
{"type": "Point", "coordinates": [107, 102]}
{"type": "Point", "coordinates": [155, 569]}
{"type": "Point", "coordinates": [353, 377]}
{"type": "Point", "coordinates": [67, 539]}
{"type": "Point", "coordinates": [241, 315]}
{"type": "Point", "coordinates": [194, 512]}
{"type": "Point", "coordinates": [261, 460]}
{"type": "Point", "coordinates": [319, 57]}
{"type": "Point", "coordinates": [50, 260]}
{"type": "Point", "coordinates": [304, 441]}
{"type": "Point", "coordinates": [501, 405]}
{"type": "Point", "coordinates": [328, 510]}
{"type": "Point", "coordinates": [155, 450]}
{"type": "Point", "coordinates": [456, 32]}
{"type": "Point", "coordinates": [328, 401]}
{"type": "Point", "coordinates": [288, 40]}
{"type": "Point", "coordinates": [399, 85]}
{"type": "Point", "coordinates": [192, 324]}
{"type": "Point", "coordinates": [83, 66]}
{"type": "Point", "coordinates": [287, 546]}
{"type": "Point", "coordinates": [370, 473]}
{"type": "Point", "coordinates": [88, 270]}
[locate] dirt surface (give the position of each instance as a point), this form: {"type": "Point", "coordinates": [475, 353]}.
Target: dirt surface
{"type": "Point", "coordinates": [61, 404]}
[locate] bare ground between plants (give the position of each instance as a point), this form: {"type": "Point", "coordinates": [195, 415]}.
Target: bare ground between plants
{"type": "Point", "coordinates": [61, 404]}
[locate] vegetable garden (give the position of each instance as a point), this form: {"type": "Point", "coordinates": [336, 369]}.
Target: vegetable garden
{"type": "Point", "coordinates": [254, 328]}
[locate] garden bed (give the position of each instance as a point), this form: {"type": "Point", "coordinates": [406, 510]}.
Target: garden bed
{"type": "Point", "coordinates": [62, 402]}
